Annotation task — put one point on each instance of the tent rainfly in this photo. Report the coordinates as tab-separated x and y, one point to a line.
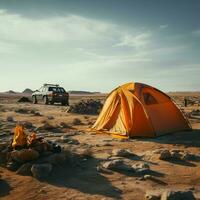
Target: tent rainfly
137	109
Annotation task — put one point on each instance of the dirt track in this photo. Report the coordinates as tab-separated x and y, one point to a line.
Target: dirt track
84	181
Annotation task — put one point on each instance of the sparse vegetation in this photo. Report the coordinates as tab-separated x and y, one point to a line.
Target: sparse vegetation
90	107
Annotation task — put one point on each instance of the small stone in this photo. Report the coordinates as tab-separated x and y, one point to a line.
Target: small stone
121	152
37	114
76	121
24	155
25	170
165	155
176	155
117	165
13	165
157	151
190	157
50	117
141	166
73	141
10	119
152	196
147	176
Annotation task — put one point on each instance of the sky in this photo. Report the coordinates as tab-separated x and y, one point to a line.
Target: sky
97	45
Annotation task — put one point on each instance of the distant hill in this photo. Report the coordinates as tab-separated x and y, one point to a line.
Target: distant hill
11	92
28	91
82	92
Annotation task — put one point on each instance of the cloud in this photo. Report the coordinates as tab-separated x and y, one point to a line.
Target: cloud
196	33
136	41
75	47
163	26
14	27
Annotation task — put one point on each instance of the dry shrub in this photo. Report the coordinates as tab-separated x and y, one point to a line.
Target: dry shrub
64	125
76	121
22	110
91	107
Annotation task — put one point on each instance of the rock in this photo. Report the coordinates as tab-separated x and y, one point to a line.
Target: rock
117	164
165	155
76	121
64	125
54	159
190	157
64	139
24	155
177	195
41	171
32	111
176	155
10	119
50	117
107	144
25	170
121	152
147	176
27	125
48	127
37	114
141	168
13	165
157	151
73	141
152	196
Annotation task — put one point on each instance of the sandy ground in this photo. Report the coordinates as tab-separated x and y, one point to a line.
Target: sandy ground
84	181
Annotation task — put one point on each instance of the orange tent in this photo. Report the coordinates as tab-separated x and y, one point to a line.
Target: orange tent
136	109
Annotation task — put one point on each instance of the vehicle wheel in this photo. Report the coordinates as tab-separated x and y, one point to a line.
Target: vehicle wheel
34	99
64	103
51	102
46	101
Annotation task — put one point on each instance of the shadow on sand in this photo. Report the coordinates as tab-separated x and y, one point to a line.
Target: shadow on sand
186	138
4	188
182	162
83	176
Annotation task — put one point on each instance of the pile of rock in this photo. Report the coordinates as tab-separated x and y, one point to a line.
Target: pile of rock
176	154
24	100
90	106
30	162
120	161
49	127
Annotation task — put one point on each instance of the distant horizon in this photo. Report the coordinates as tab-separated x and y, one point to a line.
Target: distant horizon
98	91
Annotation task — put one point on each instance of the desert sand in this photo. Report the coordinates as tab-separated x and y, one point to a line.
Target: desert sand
84	180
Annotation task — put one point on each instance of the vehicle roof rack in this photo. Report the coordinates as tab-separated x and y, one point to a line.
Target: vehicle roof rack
48	84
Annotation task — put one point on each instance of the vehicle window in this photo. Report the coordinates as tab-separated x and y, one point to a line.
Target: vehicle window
149	99
43	89
56	89
62	90
52	89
